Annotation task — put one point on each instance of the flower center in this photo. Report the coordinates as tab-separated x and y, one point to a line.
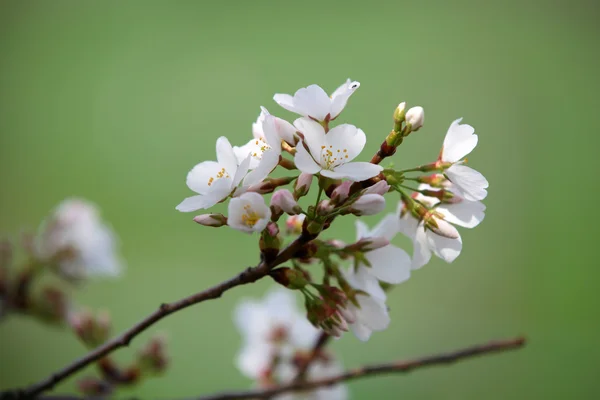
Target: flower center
260	146
250	217
222	173
332	157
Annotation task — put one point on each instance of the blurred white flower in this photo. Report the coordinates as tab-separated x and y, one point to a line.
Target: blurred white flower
313	101
319	369
331	154
77	242
389	263
459	211
460	140
248	213
270	327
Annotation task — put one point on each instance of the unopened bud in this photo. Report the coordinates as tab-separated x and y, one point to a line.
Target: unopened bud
368	204
302	185
270	241
293	224
324	207
290	278
52	305
153	357
399	114
284	200
368	244
341	192
414	118
214	220
441	227
381	188
270	184
435	180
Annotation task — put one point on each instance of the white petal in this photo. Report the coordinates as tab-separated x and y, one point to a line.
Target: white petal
443	247
407	224
361	331
373	312
254	359
348	139
198	178
354	171
242	152
270	131
465	213
387	228
362	230
268	162
314	136
304	162
241	171
390	264
459	141
421	248
312	101
286	101
286	131
340	97
471	183
364	280
226	156
199	202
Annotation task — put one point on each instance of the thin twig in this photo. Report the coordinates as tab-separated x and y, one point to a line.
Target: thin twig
379	369
250	275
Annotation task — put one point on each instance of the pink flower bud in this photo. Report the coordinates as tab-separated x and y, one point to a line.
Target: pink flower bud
340	193
324	207
368	204
302	185
380	187
284	200
214	220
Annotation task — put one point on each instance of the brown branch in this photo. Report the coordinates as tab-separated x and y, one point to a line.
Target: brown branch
317	347
249	275
379	369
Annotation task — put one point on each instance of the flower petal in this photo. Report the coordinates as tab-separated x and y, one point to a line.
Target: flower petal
390	264
198	178
471	183
387	228
314	136
465	213
348	139
445	248
196	203
373	312
361	331
304	162
268	162
242	171
354	171
421	248
226	156
312	101
340	97
362	230
286	101
460	140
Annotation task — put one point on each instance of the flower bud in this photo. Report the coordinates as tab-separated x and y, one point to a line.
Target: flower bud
270	184
270	241
294	223
284	200
290	278
91	330
400	112
302	185
341	192
368	204
367	244
435	180
215	220
381	188
52	305
441	227
94	387
153	357
324	207
414	118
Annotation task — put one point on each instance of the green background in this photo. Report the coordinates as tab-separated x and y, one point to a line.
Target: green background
116	101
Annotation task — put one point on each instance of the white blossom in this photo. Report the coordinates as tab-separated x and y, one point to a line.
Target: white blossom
268	327
313	101
460	211
415	117
76	240
319	369
331	154
460	140
248	213
389	263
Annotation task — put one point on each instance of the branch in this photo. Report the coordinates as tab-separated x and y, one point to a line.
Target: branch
379	369
249	275
317	347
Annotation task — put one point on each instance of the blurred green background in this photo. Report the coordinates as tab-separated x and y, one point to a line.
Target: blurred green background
115	101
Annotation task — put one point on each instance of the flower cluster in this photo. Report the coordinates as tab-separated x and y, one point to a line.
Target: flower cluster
351	295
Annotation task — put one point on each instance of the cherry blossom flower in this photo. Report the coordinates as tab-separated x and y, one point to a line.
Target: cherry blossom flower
371	314
248	213
269	327
426	242
331	154
75	240
460	140
313	101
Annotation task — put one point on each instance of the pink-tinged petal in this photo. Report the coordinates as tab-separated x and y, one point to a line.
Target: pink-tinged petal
346	142
226	156
198	178
312	101
387	228
314	136
467	214
389	264
354	171
459	141
304	162
241	171
340	97
421	248
470	183
443	247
